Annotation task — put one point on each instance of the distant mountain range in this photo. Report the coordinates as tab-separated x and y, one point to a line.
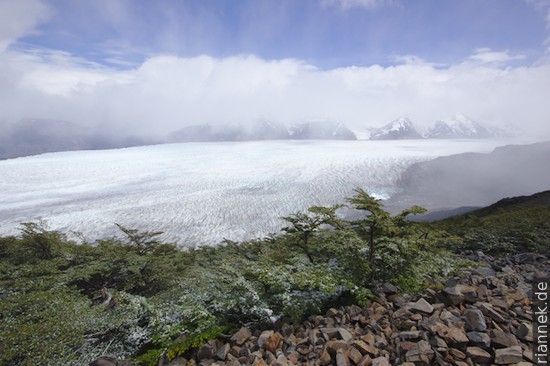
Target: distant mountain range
263	130
37	136
457	127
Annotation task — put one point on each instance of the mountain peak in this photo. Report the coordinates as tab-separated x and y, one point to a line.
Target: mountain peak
399	129
462	126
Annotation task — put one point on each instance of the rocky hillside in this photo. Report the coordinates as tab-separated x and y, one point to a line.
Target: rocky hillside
481	317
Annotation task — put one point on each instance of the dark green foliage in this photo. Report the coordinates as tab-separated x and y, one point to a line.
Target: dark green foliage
392	240
500	230
143	242
138	297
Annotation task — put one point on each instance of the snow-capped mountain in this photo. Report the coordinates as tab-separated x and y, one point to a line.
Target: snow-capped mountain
457	127
460	126
399	129
321	130
260	130
263	130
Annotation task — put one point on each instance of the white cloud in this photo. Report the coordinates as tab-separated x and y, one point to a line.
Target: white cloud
486	55
19	18
166	92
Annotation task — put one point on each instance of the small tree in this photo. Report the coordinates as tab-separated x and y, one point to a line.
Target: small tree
305	224
38	241
378	222
144	242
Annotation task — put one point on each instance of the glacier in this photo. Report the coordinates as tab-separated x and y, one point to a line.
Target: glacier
201	193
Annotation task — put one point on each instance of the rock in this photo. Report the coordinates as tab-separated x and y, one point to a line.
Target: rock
479	339
469	293
104	361
455	336
342	358
259	362
404	347
222	352
329	333
485	272
365	361
402	313
453	296
389	289
380	361
365	348
505	356
207	351
411	335
482	292
420	354
346	336
269	358
489	311
325	358
461	363
331	312
270	340
499	339
241	336
446	315
457	354
355	355
525	332
474	320
281	361
333	346
478	355
440	343
423	306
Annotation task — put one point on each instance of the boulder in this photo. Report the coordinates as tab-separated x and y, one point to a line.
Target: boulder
456	336
475	320
478	355
342	358
241	336
380	361
332	347
270	340
420	354
366	348
505	356
500	339
479	339
525	332
422	306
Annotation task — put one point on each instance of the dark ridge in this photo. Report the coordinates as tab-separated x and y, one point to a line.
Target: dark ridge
509	204
476	179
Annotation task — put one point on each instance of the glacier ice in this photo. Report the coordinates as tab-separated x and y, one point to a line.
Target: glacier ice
201	193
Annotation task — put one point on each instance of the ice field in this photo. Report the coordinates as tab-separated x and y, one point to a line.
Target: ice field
200	193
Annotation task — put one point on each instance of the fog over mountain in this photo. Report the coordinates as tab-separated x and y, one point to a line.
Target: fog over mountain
476	179
103	81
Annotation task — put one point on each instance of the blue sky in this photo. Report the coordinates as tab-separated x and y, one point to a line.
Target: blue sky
155	66
324	33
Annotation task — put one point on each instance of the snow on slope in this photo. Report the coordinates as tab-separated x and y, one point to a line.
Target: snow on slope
200	193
